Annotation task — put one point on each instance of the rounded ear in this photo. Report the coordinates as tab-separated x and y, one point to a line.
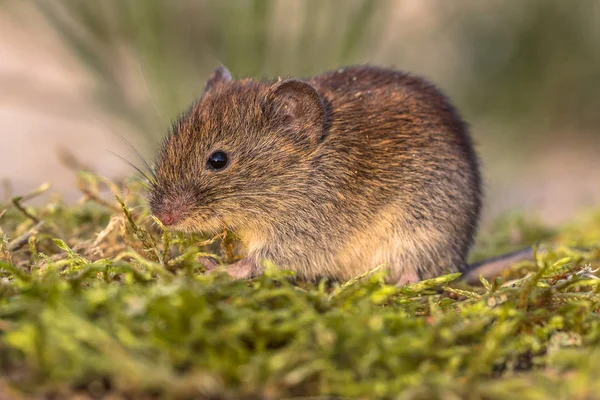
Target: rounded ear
296	104
219	76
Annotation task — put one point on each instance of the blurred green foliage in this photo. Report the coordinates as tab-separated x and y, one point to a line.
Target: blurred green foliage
532	67
532	61
173	46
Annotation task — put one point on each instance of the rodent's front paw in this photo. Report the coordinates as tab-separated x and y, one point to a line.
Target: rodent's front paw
209	262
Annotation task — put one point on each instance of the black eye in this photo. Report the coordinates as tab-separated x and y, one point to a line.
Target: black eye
217	160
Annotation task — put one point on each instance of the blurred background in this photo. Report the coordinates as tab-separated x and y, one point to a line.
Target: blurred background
525	75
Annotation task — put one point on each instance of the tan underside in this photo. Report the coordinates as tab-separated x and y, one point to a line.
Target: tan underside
389	242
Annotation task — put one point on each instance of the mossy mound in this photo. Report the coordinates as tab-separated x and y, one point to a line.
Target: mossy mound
98	302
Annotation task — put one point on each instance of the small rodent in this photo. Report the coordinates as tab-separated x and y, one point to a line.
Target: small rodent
329	176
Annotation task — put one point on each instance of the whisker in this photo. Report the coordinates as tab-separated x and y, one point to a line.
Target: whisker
137	154
132	165
142	182
131	148
150	95
146	219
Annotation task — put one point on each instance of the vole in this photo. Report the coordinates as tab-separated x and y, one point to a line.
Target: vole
329	176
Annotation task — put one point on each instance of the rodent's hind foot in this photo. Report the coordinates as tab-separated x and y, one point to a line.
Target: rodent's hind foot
240	270
408	278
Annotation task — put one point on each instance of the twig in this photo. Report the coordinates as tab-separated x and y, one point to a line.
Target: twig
114	222
37	192
94	197
22	240
70	161
213	239
19	199
17	203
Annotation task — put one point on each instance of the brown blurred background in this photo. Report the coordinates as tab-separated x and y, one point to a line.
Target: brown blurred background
525	75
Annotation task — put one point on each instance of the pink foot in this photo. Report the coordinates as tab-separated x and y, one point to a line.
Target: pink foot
408	278
241	270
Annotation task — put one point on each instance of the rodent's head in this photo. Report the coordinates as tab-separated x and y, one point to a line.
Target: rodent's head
239	155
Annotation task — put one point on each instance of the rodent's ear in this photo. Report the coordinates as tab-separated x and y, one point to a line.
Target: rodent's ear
219	76
298	104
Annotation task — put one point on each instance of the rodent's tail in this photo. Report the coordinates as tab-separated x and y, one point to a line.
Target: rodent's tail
494	266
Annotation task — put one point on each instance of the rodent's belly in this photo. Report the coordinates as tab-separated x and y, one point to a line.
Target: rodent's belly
352	261
390	242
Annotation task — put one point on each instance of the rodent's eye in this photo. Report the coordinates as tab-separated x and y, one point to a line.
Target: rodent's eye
217	160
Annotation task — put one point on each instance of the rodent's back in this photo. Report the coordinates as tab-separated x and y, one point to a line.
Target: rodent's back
403	148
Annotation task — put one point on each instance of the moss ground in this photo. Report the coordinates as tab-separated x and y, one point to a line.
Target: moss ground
97	302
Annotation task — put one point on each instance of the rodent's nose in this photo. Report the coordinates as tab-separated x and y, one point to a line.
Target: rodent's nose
166	218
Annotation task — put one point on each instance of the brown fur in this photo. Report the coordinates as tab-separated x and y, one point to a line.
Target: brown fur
328	176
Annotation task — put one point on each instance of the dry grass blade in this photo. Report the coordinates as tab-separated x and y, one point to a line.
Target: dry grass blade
16	201
22	240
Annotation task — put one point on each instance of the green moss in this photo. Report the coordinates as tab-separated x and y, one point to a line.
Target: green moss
93	304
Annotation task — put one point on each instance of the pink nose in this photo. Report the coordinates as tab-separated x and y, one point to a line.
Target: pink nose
166	218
